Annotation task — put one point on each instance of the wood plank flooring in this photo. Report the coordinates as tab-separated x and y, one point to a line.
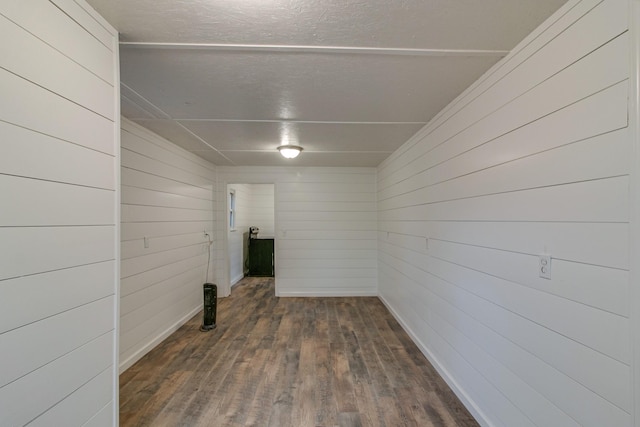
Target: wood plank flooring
284	362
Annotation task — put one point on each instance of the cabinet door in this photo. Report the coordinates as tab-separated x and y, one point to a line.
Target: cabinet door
261	257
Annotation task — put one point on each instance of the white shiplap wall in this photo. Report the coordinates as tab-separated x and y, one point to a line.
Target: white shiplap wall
167	198
532	159
325	227
59	217
262	208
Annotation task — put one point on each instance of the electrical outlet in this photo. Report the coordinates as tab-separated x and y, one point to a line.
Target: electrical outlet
146	243
544	266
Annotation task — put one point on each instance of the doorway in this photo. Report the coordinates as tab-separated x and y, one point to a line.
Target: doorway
249	205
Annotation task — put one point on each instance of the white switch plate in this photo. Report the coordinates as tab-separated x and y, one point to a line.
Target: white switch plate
544	266
146	242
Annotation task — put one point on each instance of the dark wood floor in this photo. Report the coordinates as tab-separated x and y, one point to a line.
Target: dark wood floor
289	362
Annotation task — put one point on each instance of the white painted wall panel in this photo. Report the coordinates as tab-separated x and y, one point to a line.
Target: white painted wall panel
102	417
60	219
66	204
78	408
150	277
162	184
33	59
160	199
137	231
262	208
145	263
325	227
67	33
58	291
142	163
96	26
32	395
28	348
144	142
50	115
37	250
532	159
167	200
572	124
48	158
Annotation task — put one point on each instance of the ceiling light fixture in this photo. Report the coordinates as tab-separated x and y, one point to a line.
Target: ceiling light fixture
289	151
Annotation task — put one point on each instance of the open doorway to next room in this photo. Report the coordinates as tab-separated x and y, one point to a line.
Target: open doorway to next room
251	231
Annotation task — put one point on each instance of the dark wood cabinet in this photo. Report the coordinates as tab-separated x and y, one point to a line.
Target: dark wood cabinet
261	259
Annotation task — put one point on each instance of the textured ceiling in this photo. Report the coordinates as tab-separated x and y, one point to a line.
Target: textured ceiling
350	81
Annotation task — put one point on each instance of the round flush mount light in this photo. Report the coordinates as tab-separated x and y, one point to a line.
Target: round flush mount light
289	151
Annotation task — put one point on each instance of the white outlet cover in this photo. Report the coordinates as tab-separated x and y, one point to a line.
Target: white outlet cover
544	266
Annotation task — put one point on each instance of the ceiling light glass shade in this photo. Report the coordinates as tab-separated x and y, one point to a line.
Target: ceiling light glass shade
289	151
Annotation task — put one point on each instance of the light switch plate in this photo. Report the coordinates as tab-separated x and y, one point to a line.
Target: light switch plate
544	266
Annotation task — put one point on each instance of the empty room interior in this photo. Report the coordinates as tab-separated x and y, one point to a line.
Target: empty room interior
413	213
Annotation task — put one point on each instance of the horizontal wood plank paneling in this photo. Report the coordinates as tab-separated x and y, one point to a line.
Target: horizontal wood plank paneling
149	320
42	249
349	199
50	115
262	208
139	213
66	204
144	263
145	143
531	160
58	291
59	220
81	405
595	369
34	60
102	418
331	237
144	197
94	24
572	124
167	206
65	34
166	185
136	231
48	159
136	248
603	200
32	346
142	280
68	373
142	163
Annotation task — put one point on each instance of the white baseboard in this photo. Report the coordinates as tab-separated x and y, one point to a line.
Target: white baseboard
469	403
326	292
236	279
129	361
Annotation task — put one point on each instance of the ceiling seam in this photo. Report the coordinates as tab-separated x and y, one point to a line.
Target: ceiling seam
205	142
283	120
315	49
